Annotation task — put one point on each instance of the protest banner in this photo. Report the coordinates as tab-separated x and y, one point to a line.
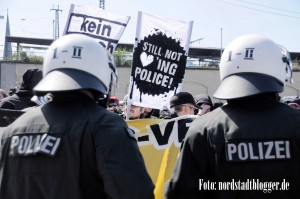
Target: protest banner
95	22
159	60
159	142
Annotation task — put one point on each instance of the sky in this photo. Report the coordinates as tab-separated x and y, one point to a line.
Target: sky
215	22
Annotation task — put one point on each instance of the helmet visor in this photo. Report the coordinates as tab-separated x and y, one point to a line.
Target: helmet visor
69	80
247	84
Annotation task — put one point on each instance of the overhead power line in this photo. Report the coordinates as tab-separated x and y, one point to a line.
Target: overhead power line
260	10
269	7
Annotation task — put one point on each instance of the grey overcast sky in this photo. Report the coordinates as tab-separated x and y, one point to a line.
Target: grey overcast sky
277	19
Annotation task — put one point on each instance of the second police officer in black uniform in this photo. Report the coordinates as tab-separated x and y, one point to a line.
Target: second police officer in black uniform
250	147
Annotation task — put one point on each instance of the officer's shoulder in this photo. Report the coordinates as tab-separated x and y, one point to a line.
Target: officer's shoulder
200	125
112	117
210	116
293	112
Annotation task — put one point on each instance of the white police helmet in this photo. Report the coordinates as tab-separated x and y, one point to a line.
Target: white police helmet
250	65
76	62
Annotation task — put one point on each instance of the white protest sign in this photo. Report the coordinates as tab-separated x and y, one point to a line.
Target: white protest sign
159	60
105	26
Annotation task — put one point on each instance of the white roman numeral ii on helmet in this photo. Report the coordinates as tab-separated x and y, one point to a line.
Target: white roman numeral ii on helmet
253	64
76	62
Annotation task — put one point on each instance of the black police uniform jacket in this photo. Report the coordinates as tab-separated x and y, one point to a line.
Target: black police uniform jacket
71	149
245	149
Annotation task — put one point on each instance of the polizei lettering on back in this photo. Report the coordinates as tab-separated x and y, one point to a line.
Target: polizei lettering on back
32	144
242	150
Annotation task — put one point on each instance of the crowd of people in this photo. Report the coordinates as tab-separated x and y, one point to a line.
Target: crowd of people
72	140
182	103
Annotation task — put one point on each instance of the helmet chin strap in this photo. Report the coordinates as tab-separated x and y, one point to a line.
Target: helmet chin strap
103	102
289	73
88	93
104	99
287	59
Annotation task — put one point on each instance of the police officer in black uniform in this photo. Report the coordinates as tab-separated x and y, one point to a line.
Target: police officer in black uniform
249	147
72	147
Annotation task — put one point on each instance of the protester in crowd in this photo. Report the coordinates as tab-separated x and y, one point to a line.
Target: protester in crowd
165	113
113	105
293	101
203	101
183	103
183	107
253	137
3	94
22	97
71	147
135	112
147	112
288	99
131	111
150	113
121	105
114	99
294	104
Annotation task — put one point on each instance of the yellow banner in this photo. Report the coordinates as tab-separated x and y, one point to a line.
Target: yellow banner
159	144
